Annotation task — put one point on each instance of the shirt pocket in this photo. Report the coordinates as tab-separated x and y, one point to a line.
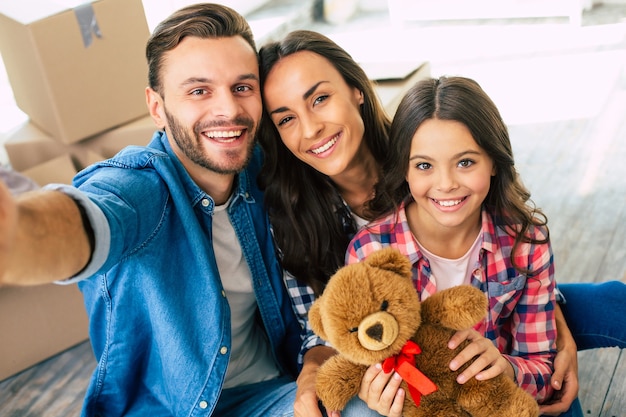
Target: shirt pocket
504	296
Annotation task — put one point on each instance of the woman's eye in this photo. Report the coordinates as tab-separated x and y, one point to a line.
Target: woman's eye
423	166
284	120
320	99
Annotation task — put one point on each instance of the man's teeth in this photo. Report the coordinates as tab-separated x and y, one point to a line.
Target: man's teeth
325	147
448	203
224	134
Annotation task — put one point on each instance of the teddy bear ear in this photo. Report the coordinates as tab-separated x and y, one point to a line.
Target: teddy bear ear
315	320
390	259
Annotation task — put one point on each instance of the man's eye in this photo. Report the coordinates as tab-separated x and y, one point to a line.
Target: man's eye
242	88
198	92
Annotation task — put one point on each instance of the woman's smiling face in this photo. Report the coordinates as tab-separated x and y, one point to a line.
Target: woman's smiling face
316	113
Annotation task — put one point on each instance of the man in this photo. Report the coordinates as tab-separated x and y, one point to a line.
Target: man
170	244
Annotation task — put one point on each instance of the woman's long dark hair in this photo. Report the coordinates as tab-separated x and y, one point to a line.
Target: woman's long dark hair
463	100
309	218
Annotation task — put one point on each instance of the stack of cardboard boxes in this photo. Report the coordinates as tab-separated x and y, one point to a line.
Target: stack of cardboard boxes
79	74
78	70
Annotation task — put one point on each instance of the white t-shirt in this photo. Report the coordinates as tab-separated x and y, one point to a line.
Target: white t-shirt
251	358
452	272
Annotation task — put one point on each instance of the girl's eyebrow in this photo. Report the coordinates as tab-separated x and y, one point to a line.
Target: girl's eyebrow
456	156
308	93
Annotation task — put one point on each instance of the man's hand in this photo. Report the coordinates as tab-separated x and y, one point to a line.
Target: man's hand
306	404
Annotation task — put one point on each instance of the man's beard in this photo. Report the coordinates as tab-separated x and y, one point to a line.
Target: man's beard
229	162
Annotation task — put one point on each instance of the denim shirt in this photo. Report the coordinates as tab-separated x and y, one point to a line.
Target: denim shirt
159	317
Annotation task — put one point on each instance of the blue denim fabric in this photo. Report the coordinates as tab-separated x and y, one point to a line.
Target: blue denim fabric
575	410
272	398
159	318
595	313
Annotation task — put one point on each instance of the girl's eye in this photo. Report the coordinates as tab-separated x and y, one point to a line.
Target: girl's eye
423	166
466	163
320	99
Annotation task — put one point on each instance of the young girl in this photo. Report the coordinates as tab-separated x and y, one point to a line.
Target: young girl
451	200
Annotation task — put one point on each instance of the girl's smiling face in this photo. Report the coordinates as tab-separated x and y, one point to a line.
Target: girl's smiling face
449	175
316	113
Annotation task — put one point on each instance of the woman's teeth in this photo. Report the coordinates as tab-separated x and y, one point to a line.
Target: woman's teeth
325	147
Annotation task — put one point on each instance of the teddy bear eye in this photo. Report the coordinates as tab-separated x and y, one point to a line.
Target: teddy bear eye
384	306
354	330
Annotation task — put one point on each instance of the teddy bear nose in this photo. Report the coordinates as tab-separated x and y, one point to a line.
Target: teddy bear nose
375	332
378	330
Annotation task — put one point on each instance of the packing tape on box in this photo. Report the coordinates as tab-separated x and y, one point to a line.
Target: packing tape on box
87	22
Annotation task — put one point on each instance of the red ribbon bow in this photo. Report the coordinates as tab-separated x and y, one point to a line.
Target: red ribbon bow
404	364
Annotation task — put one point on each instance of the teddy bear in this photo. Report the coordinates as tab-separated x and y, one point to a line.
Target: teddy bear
370	313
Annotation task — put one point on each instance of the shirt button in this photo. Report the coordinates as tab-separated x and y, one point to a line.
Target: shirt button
223	293
203	404
477	273
205	202
223	350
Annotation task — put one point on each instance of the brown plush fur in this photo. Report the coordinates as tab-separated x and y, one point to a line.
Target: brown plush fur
369	310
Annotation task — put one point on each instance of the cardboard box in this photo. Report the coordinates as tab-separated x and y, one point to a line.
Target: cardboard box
74	83
37	323
58	170
28	146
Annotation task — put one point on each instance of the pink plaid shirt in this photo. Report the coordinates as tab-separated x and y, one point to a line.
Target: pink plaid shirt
520	320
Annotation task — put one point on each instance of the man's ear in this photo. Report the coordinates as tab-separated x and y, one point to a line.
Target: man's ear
155	107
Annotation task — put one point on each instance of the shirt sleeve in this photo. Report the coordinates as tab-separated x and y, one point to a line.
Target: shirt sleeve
99	225
533	326
363	244
302	297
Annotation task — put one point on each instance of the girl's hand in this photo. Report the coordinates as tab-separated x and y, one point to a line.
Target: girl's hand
381	391
489	362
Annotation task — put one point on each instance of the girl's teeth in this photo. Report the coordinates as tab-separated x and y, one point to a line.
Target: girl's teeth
448	203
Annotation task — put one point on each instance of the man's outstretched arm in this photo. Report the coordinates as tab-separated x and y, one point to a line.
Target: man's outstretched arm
42	237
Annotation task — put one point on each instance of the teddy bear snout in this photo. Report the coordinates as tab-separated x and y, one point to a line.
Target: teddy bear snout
378	330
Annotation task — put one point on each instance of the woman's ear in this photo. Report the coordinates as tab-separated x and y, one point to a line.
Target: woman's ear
358	95
155	107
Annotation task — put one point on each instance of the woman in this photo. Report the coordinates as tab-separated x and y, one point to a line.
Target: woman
325	136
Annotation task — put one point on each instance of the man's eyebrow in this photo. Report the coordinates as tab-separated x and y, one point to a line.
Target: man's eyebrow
308	93
204	80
